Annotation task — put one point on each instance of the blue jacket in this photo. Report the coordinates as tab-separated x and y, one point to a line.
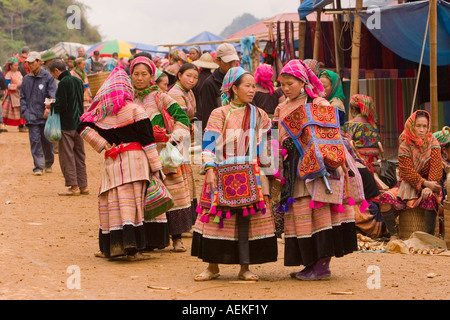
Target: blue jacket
33	92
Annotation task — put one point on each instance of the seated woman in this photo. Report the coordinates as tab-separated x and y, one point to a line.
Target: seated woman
332	87
362	129
420	171
443	137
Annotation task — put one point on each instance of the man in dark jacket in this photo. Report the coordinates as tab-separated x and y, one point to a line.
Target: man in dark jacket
226	58
69	104
37	86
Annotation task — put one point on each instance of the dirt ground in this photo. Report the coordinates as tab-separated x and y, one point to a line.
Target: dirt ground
47	246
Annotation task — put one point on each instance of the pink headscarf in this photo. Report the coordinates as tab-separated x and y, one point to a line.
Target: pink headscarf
263	76
301	71
146	61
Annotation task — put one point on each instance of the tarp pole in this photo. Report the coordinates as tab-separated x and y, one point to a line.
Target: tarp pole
337	26
433	66
317	37
354	81
301	38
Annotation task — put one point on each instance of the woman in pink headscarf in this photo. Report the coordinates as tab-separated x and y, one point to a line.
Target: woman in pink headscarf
314	231
266	97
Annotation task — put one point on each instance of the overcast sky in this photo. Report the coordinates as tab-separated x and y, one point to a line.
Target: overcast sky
174	21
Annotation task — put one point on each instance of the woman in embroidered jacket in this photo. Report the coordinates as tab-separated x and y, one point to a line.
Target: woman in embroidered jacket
314	232
160	107
420	171
123	130
11	103
240	230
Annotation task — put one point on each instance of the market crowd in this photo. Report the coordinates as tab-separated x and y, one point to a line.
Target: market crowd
327	186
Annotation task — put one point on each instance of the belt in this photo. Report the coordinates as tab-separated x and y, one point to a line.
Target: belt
114	152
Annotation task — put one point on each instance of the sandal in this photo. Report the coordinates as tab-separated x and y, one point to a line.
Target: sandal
206	276
178	246
84	191
248	276
70	192
137	257
99	254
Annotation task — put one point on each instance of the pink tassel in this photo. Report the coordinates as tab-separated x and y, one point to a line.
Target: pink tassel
219	214
213	210
312	204
228	215
261	205
245	212
203	219
284	152
283	181
206	220
199	210
364	206
277	174
351	201
334	208
319	205
341	208
252	211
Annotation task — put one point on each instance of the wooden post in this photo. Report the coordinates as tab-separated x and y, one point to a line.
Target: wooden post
301	38
355	51
433	66
317	37
338	40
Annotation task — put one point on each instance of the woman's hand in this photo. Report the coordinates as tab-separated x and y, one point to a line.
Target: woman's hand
426	193
433	185
211	179
109	147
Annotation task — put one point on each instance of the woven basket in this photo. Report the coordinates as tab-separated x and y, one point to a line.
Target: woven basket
446	228
411	220
96	80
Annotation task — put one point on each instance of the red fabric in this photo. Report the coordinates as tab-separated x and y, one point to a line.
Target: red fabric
114	152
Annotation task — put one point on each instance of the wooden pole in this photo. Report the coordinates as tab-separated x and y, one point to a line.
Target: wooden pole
336	33
433	66
355	51
317	37
301	38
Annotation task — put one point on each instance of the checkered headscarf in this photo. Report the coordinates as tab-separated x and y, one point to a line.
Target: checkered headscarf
230	78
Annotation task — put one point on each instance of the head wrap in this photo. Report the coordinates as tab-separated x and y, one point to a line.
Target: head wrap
443	136
143	60
196	48
114	93
336	84
409	136
14	60
230	78
314	65
77	61
366	106
298	69
178	55
263	76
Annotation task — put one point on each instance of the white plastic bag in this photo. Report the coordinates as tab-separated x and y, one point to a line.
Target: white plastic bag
171	157
52	129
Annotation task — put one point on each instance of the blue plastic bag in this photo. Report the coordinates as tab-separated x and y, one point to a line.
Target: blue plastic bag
52	129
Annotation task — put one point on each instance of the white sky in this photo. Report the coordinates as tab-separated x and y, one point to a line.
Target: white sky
174	21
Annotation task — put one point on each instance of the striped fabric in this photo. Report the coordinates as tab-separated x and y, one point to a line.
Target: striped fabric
153	157
96	141
179	189
185	99
127	115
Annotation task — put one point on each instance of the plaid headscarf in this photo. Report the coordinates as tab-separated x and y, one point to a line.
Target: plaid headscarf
146	61
263	76
230	78
314	65
298	69
408	135
443	136
366	106
336	84
115	93
179	56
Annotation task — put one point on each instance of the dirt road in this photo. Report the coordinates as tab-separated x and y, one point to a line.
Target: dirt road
47	246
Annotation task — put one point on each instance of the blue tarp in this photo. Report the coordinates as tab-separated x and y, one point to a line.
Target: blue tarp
205	36
309	6
402	30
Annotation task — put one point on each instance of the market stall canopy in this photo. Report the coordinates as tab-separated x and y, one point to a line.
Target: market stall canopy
68	48
148	48
402	30
310	6
107	48
205	36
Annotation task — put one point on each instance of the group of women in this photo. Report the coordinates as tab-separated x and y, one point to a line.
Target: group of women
132	120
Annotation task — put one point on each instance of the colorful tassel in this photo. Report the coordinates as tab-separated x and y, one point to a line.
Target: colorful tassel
216	219
252	211
199	209
341	208
280	208
213	210
277	174
245	212
219	214
351	201
286	207
263	211
261	205
228	215
312	204
319	205
334	208
206	219
284	152
290	200
364	206
221	224
283	181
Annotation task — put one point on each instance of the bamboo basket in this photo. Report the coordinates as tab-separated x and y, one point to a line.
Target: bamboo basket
96	80
447	223
411	220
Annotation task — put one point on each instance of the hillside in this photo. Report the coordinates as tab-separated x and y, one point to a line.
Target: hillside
239	23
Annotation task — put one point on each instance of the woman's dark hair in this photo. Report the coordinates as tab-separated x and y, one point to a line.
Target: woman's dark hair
163	75
423	114
185	67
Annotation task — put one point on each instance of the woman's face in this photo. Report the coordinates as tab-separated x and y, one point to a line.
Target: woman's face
291	86
141	77
421	127
14	66
246	90
194	55
188	79
326	85
164	84
82	65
